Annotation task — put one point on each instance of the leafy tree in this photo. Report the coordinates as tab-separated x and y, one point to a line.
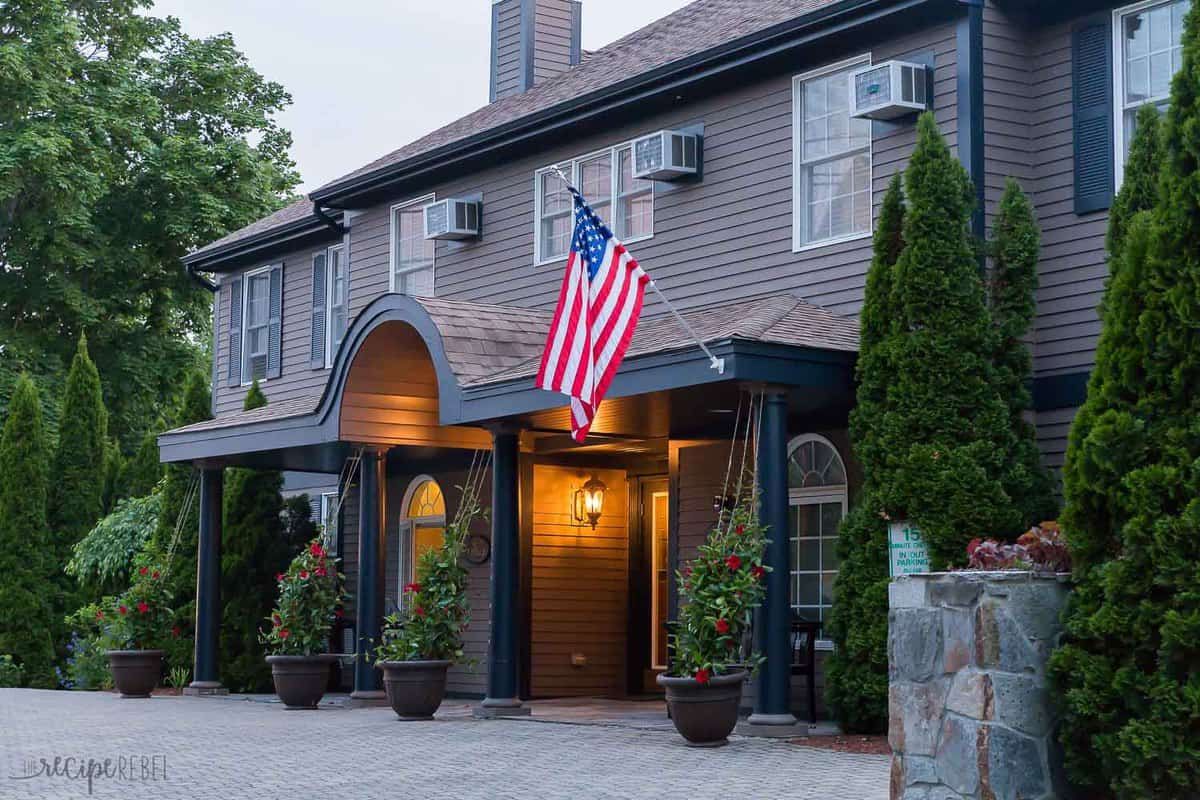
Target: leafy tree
1128	674
103	560
25	539
124	144
256	546
856	679
1012	294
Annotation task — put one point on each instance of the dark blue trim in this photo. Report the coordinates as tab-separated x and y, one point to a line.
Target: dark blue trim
368	596
1060	391
495	52
208	582
576	32
969	45
503	657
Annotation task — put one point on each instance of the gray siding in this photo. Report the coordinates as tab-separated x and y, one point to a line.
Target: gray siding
506	49
551	39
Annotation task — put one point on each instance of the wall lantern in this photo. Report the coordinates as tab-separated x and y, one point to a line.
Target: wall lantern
588	503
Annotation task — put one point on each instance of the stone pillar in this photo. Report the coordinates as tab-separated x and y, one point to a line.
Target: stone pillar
503	694
969	710
772	704
206	679
368	597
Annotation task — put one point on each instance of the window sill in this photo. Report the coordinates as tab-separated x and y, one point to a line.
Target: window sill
805	248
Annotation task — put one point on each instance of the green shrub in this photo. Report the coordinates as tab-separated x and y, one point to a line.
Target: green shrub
309	596
87	664
103	560
10	673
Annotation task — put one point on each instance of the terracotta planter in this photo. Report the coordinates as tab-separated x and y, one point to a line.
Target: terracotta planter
135	672
704	713
415	688
300	681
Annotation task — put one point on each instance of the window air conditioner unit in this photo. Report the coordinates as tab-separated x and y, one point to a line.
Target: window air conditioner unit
453	219
666	156
889	90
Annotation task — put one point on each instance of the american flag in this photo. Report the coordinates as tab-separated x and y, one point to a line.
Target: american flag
598	309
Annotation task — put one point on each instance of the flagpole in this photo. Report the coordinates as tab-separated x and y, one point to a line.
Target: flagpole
715	363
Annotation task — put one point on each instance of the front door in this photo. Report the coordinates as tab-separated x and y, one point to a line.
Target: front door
651	580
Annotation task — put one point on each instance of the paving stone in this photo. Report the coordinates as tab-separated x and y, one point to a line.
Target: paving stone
1015	770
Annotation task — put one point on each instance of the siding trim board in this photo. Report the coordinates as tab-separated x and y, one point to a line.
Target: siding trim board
969	42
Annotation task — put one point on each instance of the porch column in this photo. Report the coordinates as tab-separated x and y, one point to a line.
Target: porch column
368	596
772	705
208	586
503	694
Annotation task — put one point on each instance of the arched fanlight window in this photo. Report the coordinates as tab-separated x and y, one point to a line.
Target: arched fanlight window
818	496
422	526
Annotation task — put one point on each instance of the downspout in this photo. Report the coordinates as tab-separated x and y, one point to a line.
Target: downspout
322	215
200	279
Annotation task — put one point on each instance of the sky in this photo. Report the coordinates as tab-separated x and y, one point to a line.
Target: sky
368	76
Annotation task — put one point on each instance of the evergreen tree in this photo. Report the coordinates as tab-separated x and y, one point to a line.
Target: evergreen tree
1012	289
76	500
1128	673
945	434
856	678
143	470
25	543
256	545
114	472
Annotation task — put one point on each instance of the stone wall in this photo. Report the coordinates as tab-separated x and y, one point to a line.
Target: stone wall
970	715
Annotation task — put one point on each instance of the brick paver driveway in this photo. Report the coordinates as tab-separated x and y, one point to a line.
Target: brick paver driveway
228	748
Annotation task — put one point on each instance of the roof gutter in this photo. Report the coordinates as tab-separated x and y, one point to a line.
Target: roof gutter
329	221
200	279
765	44
267	240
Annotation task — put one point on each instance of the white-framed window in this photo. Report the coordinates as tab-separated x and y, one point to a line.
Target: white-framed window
329	520
336	301
818	498
256	324
412	255
422	526
605	178
832	159
1147	52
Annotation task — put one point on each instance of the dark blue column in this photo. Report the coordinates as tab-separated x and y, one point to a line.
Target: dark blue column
772	706
208	585
503	694
368	596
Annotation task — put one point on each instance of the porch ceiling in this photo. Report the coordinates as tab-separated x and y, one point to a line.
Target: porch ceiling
482	359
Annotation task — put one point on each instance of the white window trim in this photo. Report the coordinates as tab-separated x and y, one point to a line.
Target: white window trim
393	233
571	167
815	496
1118	98
327	504
408	541
329	276
246	276
798	245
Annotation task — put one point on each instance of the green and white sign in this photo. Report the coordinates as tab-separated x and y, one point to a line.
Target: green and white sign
907	553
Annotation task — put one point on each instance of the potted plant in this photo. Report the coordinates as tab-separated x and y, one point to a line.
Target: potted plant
136	623
719	591
309	596
424	639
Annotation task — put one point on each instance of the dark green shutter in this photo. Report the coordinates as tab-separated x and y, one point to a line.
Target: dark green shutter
1092	80
275	326
234	377
317	332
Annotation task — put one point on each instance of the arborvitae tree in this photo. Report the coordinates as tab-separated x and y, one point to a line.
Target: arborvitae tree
1128	674
856	680
114	472
76	499
25	544
1095	464
1012	286
143	470
945	434
256	546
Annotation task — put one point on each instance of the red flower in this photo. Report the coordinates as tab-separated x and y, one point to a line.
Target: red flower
155	575
122	610
317	550
702	676
142	607
175	631
320	572
412	587
275	618
279	577
733	562
143	570
757	572
303	574
420	612
740	529
284	633
99	615
722	626
339	613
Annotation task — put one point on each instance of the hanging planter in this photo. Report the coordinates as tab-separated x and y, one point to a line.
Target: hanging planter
423	641
136	622
309	596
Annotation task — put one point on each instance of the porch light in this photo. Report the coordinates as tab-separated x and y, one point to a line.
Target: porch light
588	503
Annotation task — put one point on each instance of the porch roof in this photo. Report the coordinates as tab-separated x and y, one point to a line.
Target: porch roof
485	356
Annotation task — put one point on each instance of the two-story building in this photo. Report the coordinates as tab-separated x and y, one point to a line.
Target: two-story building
390	358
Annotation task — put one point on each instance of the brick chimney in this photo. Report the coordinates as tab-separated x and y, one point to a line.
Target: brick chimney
532	40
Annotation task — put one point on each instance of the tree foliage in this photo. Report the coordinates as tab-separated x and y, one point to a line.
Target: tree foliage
25	542
124	144
1128	673
103	560
1012	290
